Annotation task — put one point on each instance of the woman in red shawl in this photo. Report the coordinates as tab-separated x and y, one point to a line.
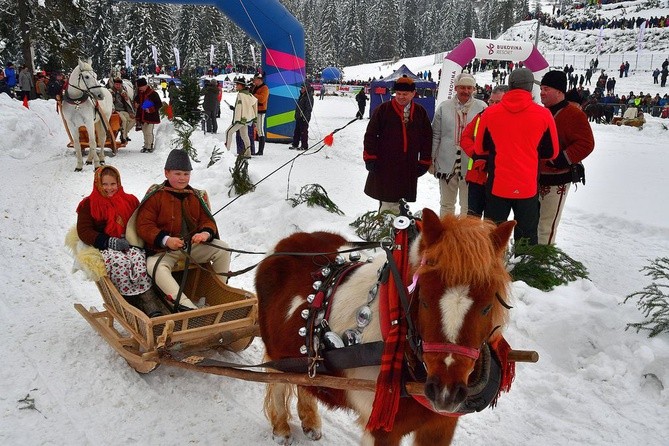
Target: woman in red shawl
101	222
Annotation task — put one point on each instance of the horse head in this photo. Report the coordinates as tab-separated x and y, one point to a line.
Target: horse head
462	282
84	79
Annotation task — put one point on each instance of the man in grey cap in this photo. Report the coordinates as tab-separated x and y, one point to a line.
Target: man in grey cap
449	160
515	135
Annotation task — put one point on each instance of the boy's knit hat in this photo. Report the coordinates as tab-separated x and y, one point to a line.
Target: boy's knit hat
178	160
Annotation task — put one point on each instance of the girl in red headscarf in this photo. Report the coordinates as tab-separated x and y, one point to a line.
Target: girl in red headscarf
102	218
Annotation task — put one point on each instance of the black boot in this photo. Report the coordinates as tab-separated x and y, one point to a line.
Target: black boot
261	145
149	303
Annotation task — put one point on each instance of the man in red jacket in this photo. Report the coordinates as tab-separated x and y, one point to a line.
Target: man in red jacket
576	142
516	133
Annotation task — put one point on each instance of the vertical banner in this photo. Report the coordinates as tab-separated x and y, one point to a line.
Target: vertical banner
211	55
232	60
564	40
176	58
154	52
128	57
600	39
642	31
253	53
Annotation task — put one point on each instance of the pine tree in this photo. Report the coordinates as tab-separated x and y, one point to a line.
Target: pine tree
329	36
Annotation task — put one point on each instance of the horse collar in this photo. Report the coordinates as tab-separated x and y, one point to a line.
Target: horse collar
76	101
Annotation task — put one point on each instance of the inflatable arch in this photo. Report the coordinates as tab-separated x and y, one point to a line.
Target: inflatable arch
281	37
471	48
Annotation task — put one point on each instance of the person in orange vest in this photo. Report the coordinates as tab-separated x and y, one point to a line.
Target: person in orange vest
261	92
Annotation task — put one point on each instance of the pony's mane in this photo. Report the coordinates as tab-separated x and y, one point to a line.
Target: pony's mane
465	255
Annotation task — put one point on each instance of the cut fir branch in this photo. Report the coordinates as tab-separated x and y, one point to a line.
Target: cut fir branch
653	300
182	140
374	226
544	266
241	183
215	156
315	195
29	403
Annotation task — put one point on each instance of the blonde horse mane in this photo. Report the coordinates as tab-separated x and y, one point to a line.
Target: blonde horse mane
466	255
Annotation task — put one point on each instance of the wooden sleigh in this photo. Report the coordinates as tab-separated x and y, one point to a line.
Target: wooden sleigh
227	321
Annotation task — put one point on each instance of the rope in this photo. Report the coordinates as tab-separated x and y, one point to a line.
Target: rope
301	153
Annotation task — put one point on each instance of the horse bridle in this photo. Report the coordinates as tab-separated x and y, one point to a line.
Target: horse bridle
88	89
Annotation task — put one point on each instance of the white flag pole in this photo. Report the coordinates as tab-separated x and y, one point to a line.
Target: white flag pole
176	57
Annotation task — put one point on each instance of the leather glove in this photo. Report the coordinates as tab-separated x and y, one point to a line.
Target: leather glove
370	166
118	244
422	169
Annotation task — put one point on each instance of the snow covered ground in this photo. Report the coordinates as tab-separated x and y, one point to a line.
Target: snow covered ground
595	383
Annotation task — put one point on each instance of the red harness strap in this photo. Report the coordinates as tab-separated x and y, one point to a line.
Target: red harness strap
445	347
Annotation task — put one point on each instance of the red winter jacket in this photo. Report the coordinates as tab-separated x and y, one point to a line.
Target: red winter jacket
517	133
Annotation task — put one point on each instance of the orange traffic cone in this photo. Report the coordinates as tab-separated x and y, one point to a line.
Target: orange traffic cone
25	102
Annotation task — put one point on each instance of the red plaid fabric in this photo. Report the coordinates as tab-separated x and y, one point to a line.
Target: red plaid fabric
391	314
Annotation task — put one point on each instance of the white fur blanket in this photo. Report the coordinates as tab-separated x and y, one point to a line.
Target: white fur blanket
86	258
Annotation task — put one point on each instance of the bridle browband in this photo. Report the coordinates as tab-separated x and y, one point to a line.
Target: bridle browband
447	347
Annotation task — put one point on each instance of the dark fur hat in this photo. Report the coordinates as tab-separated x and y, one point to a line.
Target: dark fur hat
404	83
141	82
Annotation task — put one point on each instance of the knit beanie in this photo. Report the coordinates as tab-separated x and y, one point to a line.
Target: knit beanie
556	79
141	82
178	160
404	83
521	79
465	80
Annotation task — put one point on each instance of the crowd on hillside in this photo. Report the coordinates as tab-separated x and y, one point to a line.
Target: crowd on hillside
589	23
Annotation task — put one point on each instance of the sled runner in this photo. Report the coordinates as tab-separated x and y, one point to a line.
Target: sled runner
227	321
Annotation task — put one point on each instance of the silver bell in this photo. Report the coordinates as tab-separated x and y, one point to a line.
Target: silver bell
305	313
319	317
302	331
332	340
325	271
310	298
351	337
303	349
354	256
339	260
317	285
363	316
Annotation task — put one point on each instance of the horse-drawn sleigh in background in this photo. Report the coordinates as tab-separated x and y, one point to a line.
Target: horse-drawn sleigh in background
425	320
86	109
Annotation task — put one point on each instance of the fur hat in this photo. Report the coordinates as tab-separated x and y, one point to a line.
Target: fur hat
258	76
521	79
555	79
465	80
141	82
178	160
404	83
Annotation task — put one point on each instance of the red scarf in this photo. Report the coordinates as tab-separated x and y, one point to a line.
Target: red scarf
400	111
115	210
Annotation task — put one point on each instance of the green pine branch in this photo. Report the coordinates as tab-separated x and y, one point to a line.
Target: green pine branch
653	300
241	183
315	195
374	226
544	266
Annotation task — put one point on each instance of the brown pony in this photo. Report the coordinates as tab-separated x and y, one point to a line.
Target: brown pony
461	280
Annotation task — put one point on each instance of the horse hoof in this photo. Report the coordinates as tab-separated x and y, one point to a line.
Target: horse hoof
88	163
282	440
78	169
312	434
102	163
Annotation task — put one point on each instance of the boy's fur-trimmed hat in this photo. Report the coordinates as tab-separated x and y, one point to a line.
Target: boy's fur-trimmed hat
178	160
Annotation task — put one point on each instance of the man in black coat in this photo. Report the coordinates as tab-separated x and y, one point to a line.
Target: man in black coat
361	99
303	109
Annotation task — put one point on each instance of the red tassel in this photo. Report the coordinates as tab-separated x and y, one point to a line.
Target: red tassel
25	102
328	140
502	349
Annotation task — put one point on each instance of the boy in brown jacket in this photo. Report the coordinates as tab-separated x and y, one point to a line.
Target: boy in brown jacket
173	215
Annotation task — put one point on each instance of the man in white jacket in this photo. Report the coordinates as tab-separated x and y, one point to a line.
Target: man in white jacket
449	160
245	112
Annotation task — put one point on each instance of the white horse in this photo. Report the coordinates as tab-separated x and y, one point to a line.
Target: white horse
87	103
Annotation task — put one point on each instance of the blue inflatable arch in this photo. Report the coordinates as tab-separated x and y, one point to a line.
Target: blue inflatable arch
281	37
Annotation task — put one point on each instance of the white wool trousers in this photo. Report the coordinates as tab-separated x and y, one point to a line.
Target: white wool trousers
551	203
230	133
127	123
200	253
449	191
147	131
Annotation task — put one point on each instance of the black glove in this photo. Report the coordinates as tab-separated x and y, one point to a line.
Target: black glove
118	244
422	169
370	166
232	107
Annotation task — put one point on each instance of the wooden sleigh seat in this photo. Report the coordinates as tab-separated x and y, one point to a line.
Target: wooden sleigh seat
112	142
